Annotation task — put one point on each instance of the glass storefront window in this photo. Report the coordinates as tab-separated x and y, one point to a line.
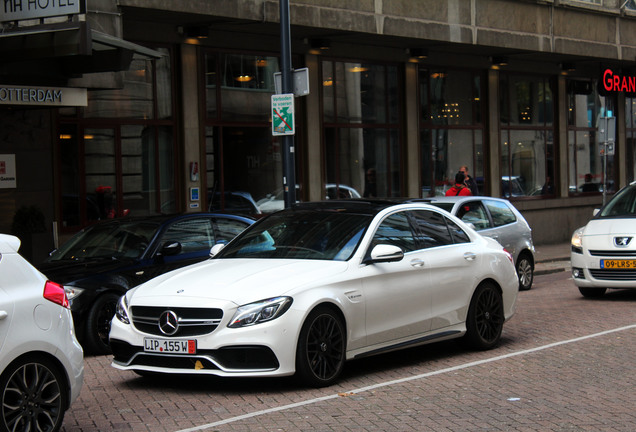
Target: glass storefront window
453	98
136	99
451	133
251	167
246	83
526	101
361	113
589	170
527	136
117	155
525	154
630	134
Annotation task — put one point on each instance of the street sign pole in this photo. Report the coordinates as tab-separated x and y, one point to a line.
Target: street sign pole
289	169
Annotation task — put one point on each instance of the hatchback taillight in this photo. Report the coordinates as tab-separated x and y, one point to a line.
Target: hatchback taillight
55	292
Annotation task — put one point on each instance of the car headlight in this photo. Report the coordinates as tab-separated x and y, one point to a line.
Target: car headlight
260	311
577	240
121	312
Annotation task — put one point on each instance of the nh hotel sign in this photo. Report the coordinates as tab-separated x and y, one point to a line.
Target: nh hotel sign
16	10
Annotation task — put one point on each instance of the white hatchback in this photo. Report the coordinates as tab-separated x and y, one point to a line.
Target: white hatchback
307	288
604	251
41	362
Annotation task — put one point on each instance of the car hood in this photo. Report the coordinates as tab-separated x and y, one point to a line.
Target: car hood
600	233
66	272
239	281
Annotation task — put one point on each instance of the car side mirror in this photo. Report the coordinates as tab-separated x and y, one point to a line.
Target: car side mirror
384	253
170	249
595	212
216	249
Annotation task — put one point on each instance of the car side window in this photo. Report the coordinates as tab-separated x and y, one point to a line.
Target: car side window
395	230
226	229
501	214
475	213
194	234
459	235
432	229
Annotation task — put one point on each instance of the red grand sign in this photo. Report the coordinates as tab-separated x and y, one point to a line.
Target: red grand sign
613	82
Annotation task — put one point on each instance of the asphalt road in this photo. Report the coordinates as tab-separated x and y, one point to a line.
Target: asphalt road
565	363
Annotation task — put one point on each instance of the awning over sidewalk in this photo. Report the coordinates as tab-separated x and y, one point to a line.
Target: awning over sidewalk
63	51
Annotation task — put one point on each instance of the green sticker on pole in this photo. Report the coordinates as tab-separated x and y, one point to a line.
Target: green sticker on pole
283	114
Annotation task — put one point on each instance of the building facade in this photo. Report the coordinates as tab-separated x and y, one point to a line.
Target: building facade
535	97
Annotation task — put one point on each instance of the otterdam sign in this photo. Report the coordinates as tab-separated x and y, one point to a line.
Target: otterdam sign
42	96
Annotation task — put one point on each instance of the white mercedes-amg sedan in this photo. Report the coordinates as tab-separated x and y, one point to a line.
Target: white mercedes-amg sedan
307	288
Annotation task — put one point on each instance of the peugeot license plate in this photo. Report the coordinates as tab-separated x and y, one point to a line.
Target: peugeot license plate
618	264
170	346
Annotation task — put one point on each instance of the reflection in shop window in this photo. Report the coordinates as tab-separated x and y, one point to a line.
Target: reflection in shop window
527	136
589	170
361	114
244	83
451	133
126	164
630	134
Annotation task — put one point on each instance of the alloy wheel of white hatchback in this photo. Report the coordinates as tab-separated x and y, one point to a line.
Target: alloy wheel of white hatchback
33	396
320	355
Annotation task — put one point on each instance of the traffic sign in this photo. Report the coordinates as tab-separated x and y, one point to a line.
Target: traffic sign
283	114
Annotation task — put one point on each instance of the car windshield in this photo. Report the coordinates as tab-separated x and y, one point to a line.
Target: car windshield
623	204
301	234
121	240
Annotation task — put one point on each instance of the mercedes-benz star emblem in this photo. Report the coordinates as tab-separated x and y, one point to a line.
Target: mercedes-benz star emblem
622	241
168	323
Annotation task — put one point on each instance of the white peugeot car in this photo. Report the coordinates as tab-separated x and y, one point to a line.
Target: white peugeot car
604	251
307	288
41	362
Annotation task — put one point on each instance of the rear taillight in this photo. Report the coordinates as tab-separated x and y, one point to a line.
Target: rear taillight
55	292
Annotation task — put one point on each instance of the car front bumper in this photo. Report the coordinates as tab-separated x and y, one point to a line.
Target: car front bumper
267	349
587	273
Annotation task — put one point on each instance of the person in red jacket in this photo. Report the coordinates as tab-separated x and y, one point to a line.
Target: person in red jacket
459	188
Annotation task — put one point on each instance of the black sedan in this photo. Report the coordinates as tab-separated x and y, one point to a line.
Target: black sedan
103	261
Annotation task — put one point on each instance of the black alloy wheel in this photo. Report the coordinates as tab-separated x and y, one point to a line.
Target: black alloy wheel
98	323
525	272
485	320
320	355
34	396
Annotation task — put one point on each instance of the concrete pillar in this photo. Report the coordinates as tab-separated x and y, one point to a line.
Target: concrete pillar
190	121
494	137
561	144
314	180
412	150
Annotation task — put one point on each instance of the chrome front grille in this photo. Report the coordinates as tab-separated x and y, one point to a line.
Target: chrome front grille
613	253
613	275
191	321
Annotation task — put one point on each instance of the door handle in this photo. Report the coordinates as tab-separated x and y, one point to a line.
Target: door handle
470	256
416	262
3	315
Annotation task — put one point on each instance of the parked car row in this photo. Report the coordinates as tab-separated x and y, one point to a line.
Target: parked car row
301	291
